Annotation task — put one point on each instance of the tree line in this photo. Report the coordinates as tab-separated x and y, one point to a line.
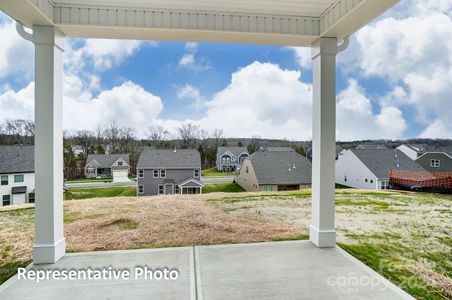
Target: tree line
111	138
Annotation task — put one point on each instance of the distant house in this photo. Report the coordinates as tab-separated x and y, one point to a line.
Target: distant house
276	149
77	150
169	172
339	149
230	159
108	165
275	171
371	146
369	169
17	175
437	160
413	151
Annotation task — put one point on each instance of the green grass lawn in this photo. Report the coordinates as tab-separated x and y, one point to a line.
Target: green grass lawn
404	236
222	187
114	191
84	180
212	172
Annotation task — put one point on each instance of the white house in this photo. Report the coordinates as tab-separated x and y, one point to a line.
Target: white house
369	169
17	175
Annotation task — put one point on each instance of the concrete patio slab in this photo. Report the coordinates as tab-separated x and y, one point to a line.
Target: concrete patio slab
141	288
274	270
287	270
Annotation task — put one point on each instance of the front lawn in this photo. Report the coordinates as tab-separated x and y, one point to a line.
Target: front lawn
85	180
100	192
227	187
213	172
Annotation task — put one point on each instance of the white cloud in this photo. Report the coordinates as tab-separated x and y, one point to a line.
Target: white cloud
18	105
355	119
413	53
189	92
262	99
303	56
16	54
438	129
128	104
190	61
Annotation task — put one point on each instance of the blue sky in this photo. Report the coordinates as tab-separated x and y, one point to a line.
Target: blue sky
394	81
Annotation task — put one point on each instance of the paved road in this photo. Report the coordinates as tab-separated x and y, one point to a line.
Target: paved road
205	180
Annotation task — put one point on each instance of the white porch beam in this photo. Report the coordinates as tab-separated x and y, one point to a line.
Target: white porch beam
322	232
49	238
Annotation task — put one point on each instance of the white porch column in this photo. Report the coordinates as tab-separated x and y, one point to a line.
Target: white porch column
322	232
50	244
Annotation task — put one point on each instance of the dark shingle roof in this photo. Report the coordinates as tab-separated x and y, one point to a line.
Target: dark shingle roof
234	150
106	160
381	161
277	167
371	147
279	149
447	150
17	159
169	159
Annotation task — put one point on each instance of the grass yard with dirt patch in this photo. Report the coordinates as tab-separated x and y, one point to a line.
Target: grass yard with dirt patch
213	172
100	192
403	236
227	187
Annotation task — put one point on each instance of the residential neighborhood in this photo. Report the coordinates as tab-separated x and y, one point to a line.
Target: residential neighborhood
225	150
369	168
17	175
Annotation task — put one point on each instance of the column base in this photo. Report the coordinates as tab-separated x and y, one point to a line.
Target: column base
49	253
322	238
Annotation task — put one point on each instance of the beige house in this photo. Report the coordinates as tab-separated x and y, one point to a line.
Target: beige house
275	171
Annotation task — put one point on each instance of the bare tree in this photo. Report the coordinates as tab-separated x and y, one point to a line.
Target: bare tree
217	136
157	134
112	134
204	144
188	133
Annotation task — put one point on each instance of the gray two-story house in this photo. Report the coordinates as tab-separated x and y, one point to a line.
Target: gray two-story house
437	160
167	172
230	159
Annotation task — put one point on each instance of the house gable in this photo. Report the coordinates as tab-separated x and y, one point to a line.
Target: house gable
351	171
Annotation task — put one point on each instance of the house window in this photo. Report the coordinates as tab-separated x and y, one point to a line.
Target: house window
18	178
91	171
140	189
156	173
345	178
31	198
435	163
162	173
176	190
4	179
6	200
384	184
140	173
268	188
371	181
196	173
365	180
247	169
161	189
119	163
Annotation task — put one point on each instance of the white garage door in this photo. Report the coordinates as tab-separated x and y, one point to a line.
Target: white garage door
18	199
120	176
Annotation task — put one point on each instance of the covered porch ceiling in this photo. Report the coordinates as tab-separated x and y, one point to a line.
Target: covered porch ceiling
278	22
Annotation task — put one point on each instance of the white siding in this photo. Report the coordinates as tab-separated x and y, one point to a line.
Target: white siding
29	182
349	166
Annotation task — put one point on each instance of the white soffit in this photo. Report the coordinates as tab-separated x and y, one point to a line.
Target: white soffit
280	22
